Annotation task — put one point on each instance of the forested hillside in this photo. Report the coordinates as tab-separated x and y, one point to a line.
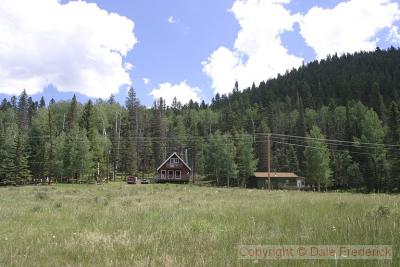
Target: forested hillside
336	122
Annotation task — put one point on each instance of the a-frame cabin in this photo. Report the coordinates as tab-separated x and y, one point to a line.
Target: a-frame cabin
173	169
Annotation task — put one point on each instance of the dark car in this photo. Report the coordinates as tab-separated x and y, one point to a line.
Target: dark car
144	181
131	180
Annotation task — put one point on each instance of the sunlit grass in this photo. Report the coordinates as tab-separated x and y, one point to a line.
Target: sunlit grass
182	225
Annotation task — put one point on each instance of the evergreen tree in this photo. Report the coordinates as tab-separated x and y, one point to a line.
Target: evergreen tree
293	163
159	131
7	153
71	118
20	159
262	146
132	131
23	106
38	133
301	131
42	103
13	102
88	122
393	137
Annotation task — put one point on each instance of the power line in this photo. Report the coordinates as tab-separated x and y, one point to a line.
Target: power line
336	141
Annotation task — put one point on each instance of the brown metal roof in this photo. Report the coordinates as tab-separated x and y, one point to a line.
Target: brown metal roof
276	175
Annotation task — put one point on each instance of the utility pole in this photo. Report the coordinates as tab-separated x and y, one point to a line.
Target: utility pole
269	162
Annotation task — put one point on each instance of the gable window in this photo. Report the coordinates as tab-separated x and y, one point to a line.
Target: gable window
173	161
170	174
178	174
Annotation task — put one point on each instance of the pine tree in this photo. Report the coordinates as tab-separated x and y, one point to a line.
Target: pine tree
132	131
293	163
7	164
23	106
37	139
32	108
88	122
159	131
300	131
13	102
7	154
20	159
111	100
393	137
262	146
71	119
42	103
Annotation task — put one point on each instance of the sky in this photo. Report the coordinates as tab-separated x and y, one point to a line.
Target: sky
188	49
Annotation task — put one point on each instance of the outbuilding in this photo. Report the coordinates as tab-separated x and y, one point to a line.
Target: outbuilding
279	180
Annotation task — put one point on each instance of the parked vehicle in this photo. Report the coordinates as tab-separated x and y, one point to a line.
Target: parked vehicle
144	181
131	180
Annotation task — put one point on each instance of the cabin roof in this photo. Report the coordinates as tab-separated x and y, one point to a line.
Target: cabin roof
174	154
276	175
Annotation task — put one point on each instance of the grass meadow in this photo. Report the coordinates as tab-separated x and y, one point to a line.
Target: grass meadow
117	224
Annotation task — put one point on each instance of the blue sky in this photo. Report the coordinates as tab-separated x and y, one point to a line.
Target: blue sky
183	48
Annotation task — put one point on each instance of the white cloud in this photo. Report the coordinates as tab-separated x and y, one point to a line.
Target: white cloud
128	66
394	35
182	91
349	27
258	52
75	47
171	19
146	81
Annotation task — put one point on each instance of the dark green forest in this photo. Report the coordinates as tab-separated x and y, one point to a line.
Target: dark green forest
335	122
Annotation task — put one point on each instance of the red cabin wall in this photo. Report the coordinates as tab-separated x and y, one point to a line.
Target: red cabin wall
185	172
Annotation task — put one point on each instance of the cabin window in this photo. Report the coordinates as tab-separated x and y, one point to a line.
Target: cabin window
163	174
174	161
170	174
178	174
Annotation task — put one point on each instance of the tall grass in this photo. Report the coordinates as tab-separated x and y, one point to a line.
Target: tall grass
182	225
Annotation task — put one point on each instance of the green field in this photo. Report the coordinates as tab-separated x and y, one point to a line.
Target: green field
182	225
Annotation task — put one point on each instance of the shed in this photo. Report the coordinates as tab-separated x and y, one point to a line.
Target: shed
279	180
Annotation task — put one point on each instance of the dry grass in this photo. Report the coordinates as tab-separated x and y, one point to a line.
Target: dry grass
182	225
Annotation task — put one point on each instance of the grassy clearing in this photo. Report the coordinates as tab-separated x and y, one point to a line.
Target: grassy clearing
182	225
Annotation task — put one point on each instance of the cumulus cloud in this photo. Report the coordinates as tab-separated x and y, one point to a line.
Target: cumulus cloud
75	47
394	35
258	52
146	81
349	27
182	91
171	19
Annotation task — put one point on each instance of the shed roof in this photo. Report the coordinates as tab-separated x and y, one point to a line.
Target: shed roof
276	175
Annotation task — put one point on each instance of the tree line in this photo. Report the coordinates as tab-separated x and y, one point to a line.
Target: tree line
335	122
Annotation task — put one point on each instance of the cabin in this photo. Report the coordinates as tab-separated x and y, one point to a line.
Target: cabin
173	170
279	180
